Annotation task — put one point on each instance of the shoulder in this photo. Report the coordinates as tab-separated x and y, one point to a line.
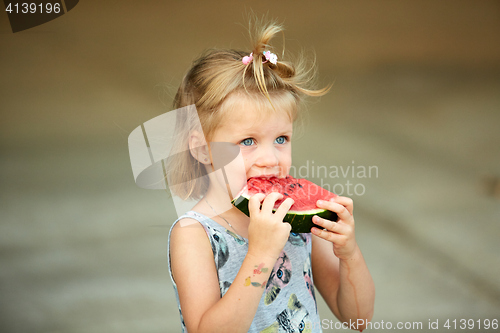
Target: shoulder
194	228
189	247
188	231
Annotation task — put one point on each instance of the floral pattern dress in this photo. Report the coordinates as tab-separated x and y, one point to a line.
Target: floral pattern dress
288	303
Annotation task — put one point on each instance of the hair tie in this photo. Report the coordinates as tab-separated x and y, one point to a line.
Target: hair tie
247	59
271	57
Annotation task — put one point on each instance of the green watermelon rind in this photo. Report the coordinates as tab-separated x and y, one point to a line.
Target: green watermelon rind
301	221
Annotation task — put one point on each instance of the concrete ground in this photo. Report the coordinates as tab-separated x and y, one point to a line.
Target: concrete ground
83	249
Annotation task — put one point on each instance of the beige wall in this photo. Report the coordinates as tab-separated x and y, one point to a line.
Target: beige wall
416	94
95	70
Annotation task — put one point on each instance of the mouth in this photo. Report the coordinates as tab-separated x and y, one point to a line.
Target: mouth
265	176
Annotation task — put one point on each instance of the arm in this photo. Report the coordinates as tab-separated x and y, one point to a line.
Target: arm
195	273
339	270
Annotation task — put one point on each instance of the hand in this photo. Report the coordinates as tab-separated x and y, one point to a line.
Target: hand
340	233
267	234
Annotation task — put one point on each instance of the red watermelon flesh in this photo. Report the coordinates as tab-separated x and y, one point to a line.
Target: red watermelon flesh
304	193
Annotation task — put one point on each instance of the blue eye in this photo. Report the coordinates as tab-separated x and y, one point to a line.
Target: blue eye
280	140
247	142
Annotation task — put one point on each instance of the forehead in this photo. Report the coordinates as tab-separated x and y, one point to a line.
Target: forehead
250	110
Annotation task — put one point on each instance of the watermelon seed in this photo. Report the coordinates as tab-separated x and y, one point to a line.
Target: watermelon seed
286	194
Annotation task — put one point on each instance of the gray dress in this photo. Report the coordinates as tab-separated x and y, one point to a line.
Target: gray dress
288	303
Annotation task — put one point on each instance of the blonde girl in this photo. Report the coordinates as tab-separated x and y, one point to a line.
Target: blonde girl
233	273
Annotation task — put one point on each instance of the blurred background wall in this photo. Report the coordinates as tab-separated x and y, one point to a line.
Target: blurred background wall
416	94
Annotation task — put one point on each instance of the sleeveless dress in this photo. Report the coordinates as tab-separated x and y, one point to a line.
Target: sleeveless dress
288	303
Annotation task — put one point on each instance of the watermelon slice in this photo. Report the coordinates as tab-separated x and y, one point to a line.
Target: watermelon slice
303	192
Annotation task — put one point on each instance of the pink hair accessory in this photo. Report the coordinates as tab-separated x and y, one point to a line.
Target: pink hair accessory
271	57
247	59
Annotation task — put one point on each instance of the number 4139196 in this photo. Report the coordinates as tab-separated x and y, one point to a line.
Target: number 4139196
471	324
33	8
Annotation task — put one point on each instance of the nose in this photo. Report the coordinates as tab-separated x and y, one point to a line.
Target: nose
268	157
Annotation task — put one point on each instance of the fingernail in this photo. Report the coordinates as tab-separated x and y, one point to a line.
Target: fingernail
320	202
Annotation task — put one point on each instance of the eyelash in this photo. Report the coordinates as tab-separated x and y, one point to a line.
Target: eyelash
253	140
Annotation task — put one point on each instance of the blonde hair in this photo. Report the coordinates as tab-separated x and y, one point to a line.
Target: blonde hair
218	74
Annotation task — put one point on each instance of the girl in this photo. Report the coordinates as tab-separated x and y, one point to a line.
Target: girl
233	273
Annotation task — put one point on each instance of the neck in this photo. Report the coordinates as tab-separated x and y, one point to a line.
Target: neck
219	205
220	202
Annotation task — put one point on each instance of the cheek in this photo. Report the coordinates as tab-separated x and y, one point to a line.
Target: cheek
236	173
286	161
247	159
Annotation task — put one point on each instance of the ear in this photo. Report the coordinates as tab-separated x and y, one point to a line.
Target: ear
198	147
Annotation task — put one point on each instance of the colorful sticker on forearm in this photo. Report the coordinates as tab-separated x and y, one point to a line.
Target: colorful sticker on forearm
258	270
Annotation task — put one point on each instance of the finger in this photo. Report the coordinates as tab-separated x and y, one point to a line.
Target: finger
270	200
328	235
284	208
287	226
346	202
335	207
326	224
335	227
254	202
324	234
